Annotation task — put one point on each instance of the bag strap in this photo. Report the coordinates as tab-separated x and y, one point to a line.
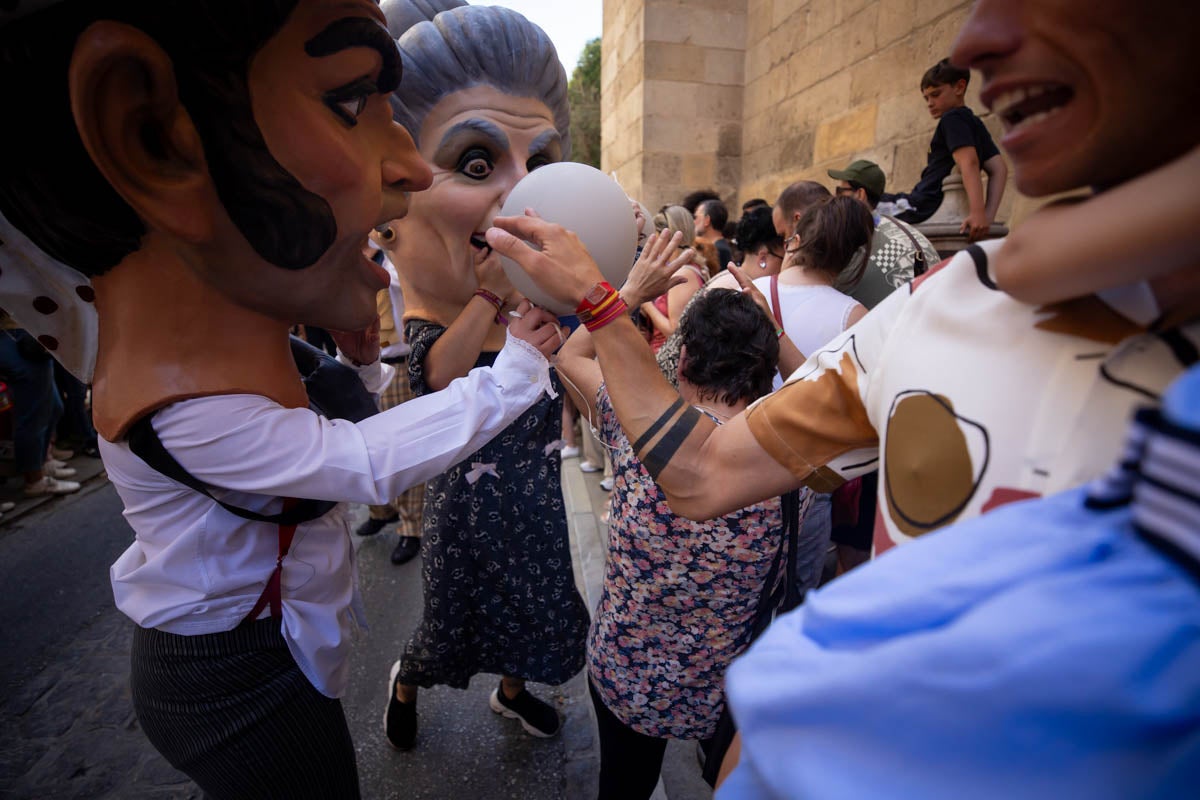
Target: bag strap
919	264
793	511
791	507
785	596
144	442
776	309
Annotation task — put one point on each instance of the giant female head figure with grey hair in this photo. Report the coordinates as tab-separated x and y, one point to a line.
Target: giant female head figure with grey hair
485	97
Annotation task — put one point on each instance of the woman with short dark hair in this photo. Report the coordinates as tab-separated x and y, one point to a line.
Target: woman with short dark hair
679	596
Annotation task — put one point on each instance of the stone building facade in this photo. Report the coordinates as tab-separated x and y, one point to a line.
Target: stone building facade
746	96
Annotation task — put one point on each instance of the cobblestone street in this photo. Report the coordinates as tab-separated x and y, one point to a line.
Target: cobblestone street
67	727
97	751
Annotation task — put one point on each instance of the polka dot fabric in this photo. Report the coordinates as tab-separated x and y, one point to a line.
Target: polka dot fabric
55	303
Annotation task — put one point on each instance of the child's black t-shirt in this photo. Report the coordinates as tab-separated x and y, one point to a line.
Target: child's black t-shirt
958	127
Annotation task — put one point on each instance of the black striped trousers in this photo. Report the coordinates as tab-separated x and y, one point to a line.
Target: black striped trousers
233	712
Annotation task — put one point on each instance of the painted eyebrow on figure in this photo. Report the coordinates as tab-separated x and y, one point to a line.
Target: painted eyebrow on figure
542	143
547	143
447	150
350	32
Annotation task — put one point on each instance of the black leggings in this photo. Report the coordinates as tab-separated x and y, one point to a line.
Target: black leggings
630	762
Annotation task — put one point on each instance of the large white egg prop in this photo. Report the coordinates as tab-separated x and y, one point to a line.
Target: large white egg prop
586	201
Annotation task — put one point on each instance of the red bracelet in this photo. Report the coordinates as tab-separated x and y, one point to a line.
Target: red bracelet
601	308
611	311
600	295
491	298
495	300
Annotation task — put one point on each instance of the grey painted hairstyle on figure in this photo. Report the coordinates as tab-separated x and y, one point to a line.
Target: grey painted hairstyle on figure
403	14
468	46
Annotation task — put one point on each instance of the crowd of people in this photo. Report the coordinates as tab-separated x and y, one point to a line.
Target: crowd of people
47	421
863	538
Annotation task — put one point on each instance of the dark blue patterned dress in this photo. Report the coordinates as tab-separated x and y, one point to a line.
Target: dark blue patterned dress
499	590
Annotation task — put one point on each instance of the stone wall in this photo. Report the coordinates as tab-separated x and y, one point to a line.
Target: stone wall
746	96
671	95
622	92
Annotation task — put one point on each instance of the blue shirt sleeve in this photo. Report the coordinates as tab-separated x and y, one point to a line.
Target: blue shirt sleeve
1042	651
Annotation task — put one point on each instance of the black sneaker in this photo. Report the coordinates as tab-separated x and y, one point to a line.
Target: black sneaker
373	526
400	719
537	718
406	549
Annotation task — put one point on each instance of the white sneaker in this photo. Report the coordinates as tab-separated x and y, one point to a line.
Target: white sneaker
49	485
570	452
607	484
54	462
58	472
61	455
587	466
7	506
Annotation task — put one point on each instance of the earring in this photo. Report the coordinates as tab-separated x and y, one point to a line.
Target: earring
387	234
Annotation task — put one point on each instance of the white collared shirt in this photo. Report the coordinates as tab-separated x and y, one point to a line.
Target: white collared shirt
195	568
399	348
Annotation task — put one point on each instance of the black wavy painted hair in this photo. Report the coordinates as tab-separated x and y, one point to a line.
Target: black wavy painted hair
732	352
51	190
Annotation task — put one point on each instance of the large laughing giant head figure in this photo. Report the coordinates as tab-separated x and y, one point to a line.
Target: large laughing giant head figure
183	181
485	97
1089	92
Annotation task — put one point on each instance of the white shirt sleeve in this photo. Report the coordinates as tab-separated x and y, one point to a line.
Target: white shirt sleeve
246	443
375	376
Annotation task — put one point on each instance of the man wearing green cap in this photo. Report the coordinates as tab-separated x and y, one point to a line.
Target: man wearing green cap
898	253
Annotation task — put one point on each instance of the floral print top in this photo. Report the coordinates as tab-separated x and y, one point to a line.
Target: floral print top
678	602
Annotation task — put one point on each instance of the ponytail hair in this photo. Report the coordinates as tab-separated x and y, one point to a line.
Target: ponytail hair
832	232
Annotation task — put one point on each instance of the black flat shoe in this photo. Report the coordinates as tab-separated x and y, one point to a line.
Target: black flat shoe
399	719
372	526
406	549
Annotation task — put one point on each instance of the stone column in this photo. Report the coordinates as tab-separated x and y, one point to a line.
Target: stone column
671	97
942	229
622	92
